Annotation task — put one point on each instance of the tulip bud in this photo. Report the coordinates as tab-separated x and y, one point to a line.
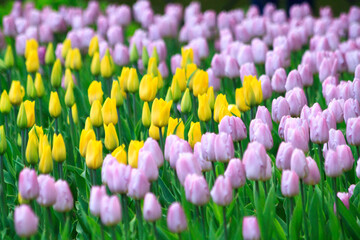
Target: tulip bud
28	184
16	93
93	46
204	110
298	163
175	90
39	86
176	219
56	74
296	99
9	57
93	155
186	104
95	114
30	88
168	96
5	104
96	194
30	113
109	112
219	102
264	114
21	117
138	184
54	105
196	189
250	228
333	165
319	130
133	152
152	67
50	54
289	183
176	126
25	220
110	210
347	159
32	62
134	55
252	91
207	146
46	162
152	146
32	152
105	67
145	56
147	164
95	64
151	208
64	199
47	190
160	112
313	176
132	81
111	138
146	115
200	83
352	129
116	93
148	88
69	95
194	134
58	149
235	172
3	143
95	92
222	193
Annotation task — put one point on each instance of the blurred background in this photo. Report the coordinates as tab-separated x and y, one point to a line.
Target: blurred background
337	6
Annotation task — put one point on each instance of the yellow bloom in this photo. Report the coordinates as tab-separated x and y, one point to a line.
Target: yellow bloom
95	92
252	91
224	111
160	112
37	132
31	45
155	55
3	143
49	54
132	81
68	77
9	57
120	154
68	58
5	104
65	47
146	115
105	67
176	126
109	113
191	70
94	158
85	137
30	113
74	113
240	100
181	77
210	94
16	93
95	114
124	78
152	67
219	102
54	105
32	150
95	64
160	80
21	120
88	124
69	95
175	90
111	139
133	152
39	86
187	57
186	104
58	149
194	134
204	110
234	110
93	46
56	74
46	162
116	93
200	82
148	88
43	143
32	62
154	132
76	62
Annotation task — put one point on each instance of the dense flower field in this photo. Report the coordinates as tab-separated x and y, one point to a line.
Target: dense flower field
120	123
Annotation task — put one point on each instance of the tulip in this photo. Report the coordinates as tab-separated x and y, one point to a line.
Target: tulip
319	131
200	83
151	208
148	88
134	55
95	92
111	138
207	146
28	184
9	57
246	69
160	112
32	62
93	155
109	112
194	134
30	88
250	228
336	107
93	46
204	110
95	64
240	100
344	153
148	165
25	220
49	54
175	90
5	104
58	149
293	80
168	144
351	109
138	184
344	197
204	164
56	74
146	115
235	172
289	183
110	210
296	99
105	67
152	146
32	153
336	138
186	164
96	117
39	86
186	104
260	132
69	94
278	80
219	102
64	199
16	93
233	126
196	189
298	163
179	146
21	120
224	147
283	155
333	165
133	81
176	219
222	193
255	161
176	126
181	78
47	191
133	152
54	105
352	129
30	113
85	137
96	194
252	91
117	177
3	143
46	162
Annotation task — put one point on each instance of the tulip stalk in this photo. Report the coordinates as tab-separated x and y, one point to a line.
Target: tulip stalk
2	191
337	206
23	145
72	129
126	214
113	233
224	222
203	212
139	218
119	122
134	106
155	231
303	208
322	179
60	170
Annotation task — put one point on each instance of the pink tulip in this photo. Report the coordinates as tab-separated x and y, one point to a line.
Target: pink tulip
259	50
96	194
283	155
218	65
102	25
28	184
272	63
151	208
222	193
278	80
319	130
263	114
176	219
293	80
9	26
244	55
175	63
344	197
47	191
260	132
336	107
356	87
213	80
64	199
352	131
138	185
196	189
224	147
235	172
147	164
309	113
296	99
351	190
265	87
247	69
207	146
110	210
336	138
185	165
298	163
345	155
25	221
204	164
233	126
153	146
178	147
330	119
231	67
351	109
255	161
108	161
358	168
280	107
121	54
289	183
313	176
333	165
168	143
250	228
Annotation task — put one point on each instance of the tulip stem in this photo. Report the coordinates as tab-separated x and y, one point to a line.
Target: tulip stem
2	191
60	170
161	140
97	133
125	212
213	168
321	175
93	176
337	206
56	126
224	219
48	211
304	208
6	124
72	133
139	218
134	106
358	151
40	112
119	122
113	233
23	144
155	231
203	212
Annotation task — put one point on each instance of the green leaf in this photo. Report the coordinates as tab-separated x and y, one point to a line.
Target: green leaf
296	220
279	231
349	220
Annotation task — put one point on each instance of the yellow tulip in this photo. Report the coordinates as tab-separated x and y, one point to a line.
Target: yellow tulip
95	64
46	162
58	149
186	104
124	78
5	104
234	110
116	93
204	110
85	137
146	115
120	154
74	114
16	93
210	94
160	80
181	77
175	90
43	143
30	88
132	81
32	150
252	91
39	86
111	138
68	77
219	102
50	54
224	111
76	62
152	67
133	152
93	46
109	112
21	120
187	56
32	62
56	74
94	158
190	71
176	126
95	114
194	134
31	45
148	88
9	57
88	124
3	143
68	58
30	113
160	112
36	131
154	132
155	55
65	47
69	95
54	105
240	100
200	83
105	67
95	92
